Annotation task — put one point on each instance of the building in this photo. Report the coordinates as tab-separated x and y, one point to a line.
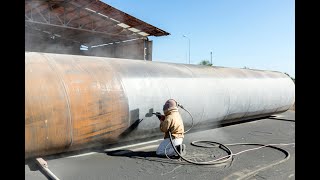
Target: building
86	27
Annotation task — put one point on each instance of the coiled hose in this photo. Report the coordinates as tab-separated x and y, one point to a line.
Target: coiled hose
230	154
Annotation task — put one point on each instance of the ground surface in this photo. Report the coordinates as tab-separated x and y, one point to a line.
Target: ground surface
138	161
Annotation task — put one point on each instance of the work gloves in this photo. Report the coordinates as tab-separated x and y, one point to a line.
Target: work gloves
160	116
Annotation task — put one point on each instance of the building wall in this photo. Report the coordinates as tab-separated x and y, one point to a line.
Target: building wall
39	43
127	50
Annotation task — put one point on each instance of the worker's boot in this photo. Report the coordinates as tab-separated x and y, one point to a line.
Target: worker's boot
181	149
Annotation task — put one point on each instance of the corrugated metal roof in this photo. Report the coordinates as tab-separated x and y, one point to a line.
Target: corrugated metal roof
85	21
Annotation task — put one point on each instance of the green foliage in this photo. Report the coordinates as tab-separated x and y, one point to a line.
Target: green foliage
205	63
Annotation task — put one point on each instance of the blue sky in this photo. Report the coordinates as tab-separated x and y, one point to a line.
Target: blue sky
258	34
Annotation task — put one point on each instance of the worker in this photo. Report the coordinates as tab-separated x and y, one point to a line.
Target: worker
171	121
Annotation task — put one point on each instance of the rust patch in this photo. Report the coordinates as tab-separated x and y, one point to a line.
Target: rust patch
71	103
45	108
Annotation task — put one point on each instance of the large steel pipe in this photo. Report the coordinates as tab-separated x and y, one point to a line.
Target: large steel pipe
74	102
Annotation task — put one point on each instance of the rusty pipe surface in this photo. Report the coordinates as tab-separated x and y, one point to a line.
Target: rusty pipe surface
74	102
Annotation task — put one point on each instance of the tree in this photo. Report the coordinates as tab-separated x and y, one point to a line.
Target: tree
205	63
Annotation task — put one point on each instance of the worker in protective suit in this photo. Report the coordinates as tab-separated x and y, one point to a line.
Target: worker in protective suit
171	121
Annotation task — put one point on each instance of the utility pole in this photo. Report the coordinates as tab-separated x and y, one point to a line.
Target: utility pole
189	46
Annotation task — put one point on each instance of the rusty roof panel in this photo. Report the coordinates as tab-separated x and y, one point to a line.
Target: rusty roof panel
88	16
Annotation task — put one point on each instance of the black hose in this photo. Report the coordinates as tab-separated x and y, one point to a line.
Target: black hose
216	161
190	116
229	155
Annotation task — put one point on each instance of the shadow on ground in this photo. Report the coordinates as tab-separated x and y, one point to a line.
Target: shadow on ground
128	153
34	166
146	155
